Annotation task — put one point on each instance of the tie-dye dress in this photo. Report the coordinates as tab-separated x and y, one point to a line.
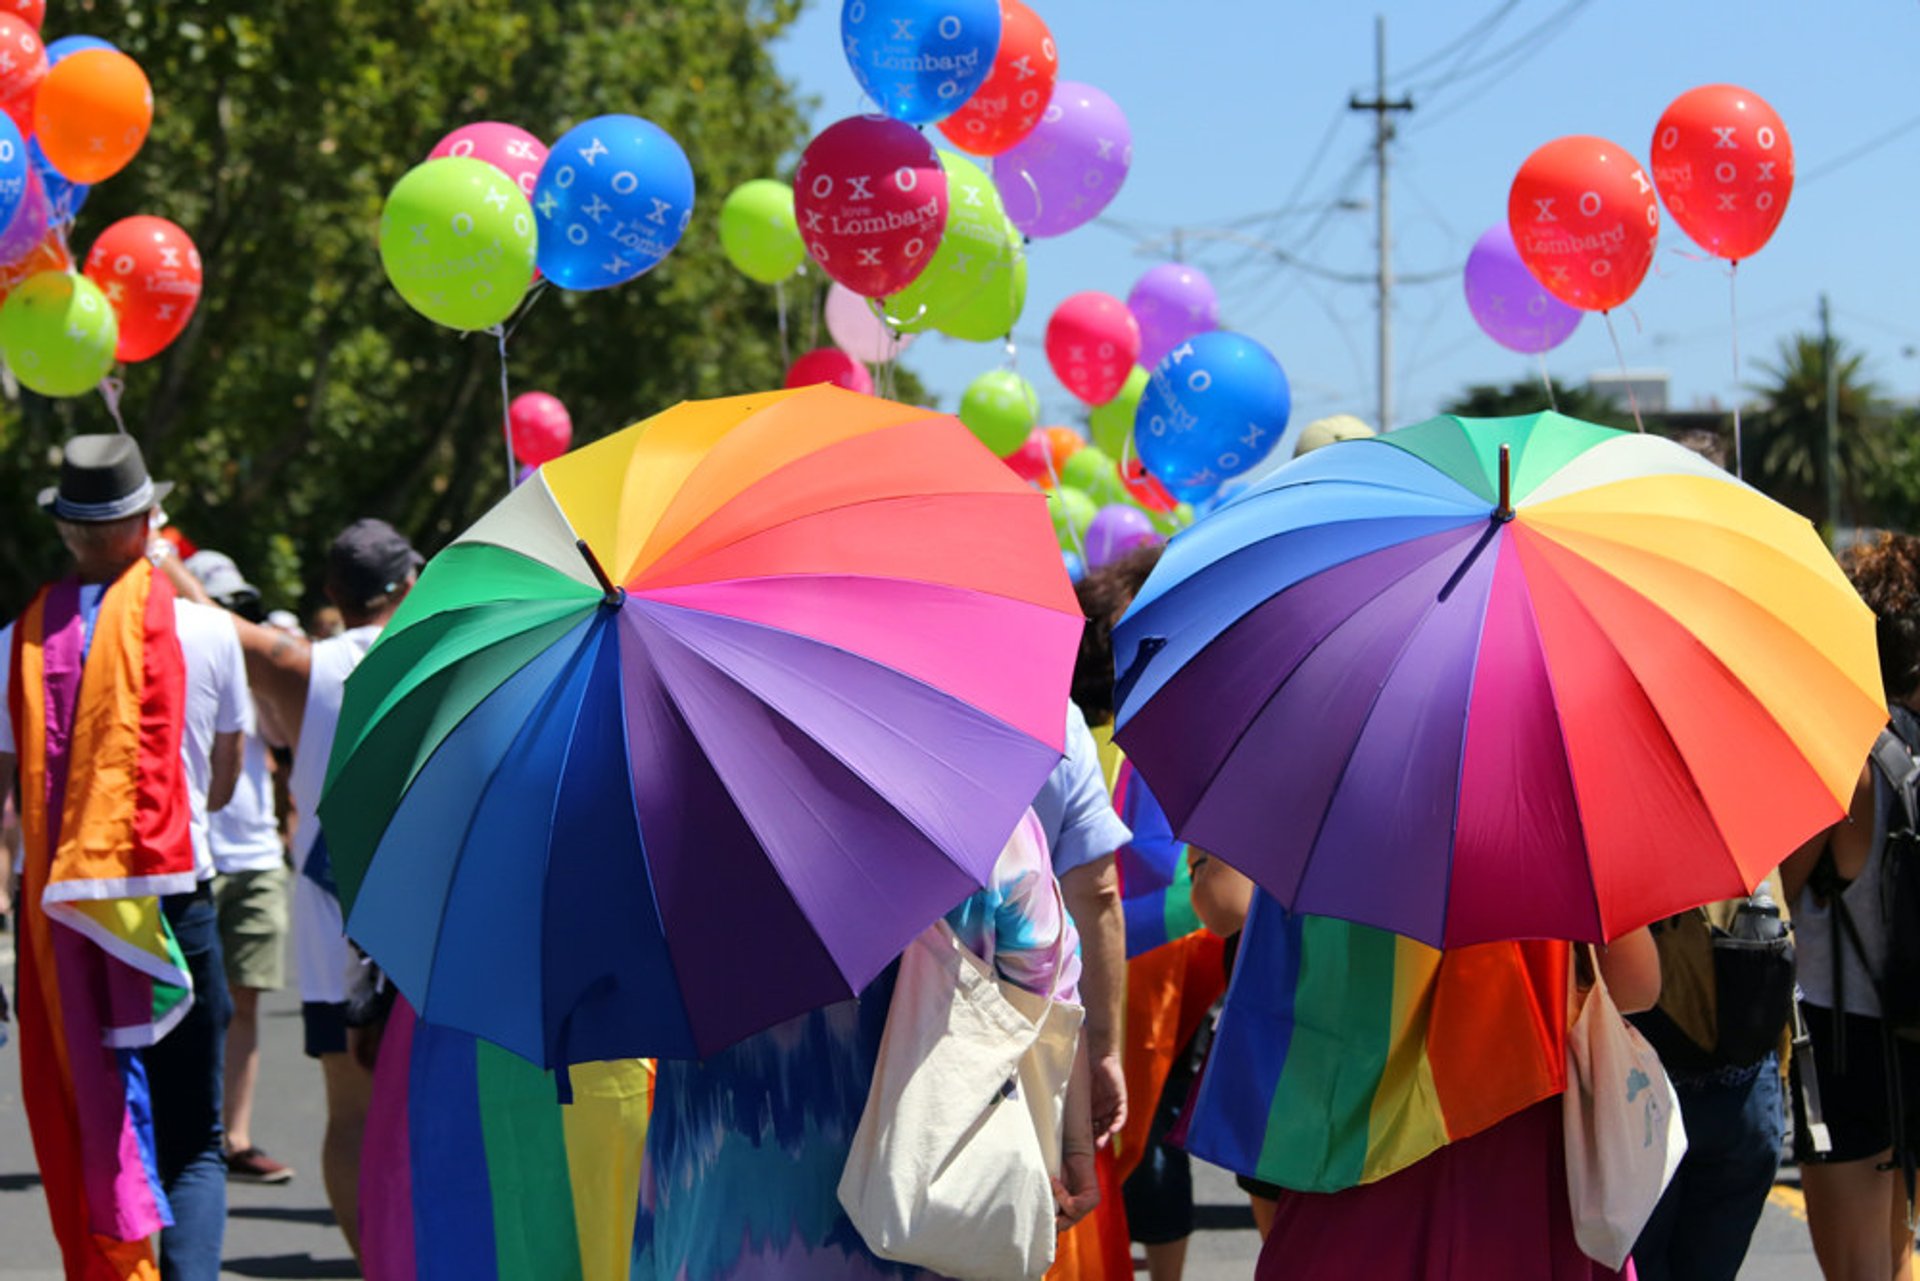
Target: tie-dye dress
745	1151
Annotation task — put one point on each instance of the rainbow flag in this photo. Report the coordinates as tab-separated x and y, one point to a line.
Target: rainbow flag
100	973
1346	1053
473	1169
1156	886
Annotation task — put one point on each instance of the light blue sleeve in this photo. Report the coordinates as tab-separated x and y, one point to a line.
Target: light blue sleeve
1074	807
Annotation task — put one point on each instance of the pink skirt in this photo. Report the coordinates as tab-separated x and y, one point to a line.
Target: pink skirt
1489	1208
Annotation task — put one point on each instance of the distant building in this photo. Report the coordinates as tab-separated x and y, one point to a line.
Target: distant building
1648	387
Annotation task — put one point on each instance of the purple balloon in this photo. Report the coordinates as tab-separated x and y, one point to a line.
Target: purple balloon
1172	302
1115	531
1070	167
29	226
1512	307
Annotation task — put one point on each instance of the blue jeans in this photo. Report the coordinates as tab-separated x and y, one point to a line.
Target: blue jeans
185	1073
1701	1228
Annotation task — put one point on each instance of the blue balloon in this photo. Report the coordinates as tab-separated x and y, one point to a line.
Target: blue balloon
64	197
1216	405
1076	568
13	169
920	60
65	45
613	198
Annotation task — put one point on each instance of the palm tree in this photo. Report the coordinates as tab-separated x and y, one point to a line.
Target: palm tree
1790	431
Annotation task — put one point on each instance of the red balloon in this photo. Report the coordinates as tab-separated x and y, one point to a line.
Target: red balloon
1584	218
23	65
150	272
1724	165
1146	490
1013	97
539	426
830	365
1092	343
1031	462
872	202
31	12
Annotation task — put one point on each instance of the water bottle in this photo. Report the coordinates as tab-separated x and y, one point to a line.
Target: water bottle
1758	919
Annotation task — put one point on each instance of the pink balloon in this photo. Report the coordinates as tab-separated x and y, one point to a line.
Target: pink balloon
508	148
1092	343
830	365
856	330
540	427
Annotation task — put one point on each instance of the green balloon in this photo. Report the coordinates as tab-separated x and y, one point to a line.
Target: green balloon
758	232
458	242
1093	472
58	333
1000	407
973	252
1172	522
1072	512
991	314
1111	424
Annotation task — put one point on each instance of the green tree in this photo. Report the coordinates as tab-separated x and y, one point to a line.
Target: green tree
1486	400
1790	431
305	393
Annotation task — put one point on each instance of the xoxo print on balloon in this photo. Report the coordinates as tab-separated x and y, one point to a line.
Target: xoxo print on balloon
1070	167
149	270
508	148
919	60
1584	218
1724	165
1092	342
612	200
872	202
1009	104
1508	304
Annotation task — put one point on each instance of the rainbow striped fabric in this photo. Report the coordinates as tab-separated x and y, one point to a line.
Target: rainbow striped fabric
474	1169
100	972
1346	1053
1155	883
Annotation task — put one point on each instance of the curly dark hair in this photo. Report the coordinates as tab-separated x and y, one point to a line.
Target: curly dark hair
1886	573
1104	596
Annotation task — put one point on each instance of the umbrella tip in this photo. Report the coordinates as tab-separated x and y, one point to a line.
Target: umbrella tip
614	595
1504	512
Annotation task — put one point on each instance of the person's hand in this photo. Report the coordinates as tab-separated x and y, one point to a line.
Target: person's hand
1076	1193
1109	1098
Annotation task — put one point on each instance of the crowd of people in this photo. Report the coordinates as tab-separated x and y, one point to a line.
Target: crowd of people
1765	1030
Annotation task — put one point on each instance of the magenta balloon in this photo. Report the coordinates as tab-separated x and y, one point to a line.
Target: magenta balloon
1070	167
1115	531
1172	302
1512	307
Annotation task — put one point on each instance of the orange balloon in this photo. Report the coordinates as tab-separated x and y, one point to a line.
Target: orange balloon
92	114
1065	442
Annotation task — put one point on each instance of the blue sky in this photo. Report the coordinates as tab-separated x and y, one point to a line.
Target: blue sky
1239	109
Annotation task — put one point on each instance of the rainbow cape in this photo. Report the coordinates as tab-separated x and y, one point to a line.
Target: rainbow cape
1156	886
1346	1053
100	973
473	1169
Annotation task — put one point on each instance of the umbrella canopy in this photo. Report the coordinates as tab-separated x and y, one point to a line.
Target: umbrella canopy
700	725
1502	678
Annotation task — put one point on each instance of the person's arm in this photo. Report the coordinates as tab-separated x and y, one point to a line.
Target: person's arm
1092	894
278	666
227	749
1631	966
1799	865
1076	1193
1222	895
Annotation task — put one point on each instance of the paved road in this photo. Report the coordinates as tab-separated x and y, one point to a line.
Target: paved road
288	1232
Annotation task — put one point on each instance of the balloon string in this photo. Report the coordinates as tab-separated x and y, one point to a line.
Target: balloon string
526	305
1733	308
780	304
1620	355
506	405
814	313
1079	547
1039	205
110	389
1546	380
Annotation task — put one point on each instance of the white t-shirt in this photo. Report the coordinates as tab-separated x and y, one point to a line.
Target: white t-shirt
217	703
246	834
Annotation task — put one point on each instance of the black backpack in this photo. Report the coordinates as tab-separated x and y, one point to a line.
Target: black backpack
1899	986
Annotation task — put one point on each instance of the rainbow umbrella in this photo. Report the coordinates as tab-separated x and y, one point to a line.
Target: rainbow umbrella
700	725
1501	678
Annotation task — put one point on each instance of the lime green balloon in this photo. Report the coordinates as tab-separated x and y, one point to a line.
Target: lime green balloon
973	252
1112	423
458	242
1000	407
1072	512
1172	522
758	232
991	313
58	333
1091	471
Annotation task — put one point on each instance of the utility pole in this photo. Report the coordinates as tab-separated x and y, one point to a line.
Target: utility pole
1383	109
1833	420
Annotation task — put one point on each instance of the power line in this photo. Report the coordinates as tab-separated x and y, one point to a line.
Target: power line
1866	148
1495	67
1459	43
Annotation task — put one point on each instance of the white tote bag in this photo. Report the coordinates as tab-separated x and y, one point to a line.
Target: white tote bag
1624	1134
953	1162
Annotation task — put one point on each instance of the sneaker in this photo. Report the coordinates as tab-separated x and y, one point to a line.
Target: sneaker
251	1165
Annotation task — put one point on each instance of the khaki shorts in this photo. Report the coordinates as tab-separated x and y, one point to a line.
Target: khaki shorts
253	927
